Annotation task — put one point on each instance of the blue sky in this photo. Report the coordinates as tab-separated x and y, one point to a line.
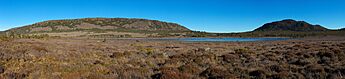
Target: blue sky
202	15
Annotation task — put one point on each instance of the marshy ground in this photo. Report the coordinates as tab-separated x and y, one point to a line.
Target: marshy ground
68	58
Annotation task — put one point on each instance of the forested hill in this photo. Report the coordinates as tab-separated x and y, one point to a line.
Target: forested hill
99	24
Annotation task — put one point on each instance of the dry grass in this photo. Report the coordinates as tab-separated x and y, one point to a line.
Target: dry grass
64	58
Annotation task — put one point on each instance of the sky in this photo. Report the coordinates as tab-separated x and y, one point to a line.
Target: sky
201	15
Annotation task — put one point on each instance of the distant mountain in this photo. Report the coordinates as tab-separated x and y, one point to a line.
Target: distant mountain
288	28
99	24
343	29
291	25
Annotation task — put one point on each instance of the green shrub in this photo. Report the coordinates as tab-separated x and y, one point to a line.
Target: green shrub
243	50
9	36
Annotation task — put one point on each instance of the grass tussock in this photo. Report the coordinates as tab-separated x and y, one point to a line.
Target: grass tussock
114	59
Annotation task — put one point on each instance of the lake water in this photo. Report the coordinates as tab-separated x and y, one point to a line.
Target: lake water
214	39
229	39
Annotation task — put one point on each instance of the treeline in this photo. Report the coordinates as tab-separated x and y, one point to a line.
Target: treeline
110	36
10	36
293	34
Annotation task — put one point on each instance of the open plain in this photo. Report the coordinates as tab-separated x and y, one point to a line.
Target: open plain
79	58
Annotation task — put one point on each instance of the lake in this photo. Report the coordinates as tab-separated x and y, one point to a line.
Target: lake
228	39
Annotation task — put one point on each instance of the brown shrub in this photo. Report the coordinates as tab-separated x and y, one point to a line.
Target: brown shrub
190	68
2	69
217	73
243	51
230	58
315	72
13	75
276	68
280	75
299	62
258	74
171	73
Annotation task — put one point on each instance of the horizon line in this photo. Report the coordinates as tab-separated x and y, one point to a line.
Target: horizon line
18	26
